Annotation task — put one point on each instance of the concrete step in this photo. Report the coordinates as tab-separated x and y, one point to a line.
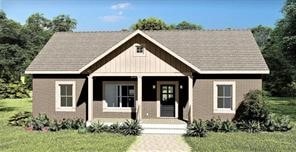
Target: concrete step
164	128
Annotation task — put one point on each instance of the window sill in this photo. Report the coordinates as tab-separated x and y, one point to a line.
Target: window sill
65	109
224	111
128	109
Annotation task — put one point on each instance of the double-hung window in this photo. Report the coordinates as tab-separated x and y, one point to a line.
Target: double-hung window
120	96
65	96
224	97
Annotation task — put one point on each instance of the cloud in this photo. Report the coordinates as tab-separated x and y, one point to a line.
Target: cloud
111	18
120	6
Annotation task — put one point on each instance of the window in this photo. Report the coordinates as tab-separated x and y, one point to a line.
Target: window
65	96
224	97
139	50
119	96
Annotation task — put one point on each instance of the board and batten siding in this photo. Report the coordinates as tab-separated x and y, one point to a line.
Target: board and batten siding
203	96
125	60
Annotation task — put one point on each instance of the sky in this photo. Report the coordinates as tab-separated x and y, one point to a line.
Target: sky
112	15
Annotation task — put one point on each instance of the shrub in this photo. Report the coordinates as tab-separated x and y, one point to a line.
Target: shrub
277	123
252	108
39	122
114	128
97	127
214	124
228	126
19	119
54	126
197	129
249	126
66	124
82	130
13	90
77	123
132	127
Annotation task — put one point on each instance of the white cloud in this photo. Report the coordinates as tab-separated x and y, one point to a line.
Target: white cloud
111	18
120	6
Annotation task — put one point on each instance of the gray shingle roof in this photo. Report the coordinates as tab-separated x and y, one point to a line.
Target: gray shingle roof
229	50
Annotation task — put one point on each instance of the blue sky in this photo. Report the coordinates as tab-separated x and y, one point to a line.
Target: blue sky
97	15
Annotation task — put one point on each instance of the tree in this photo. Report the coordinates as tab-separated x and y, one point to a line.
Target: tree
187	26
63	23
262	35
280	53
150	23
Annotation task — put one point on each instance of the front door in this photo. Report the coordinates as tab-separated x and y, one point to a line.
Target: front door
167	100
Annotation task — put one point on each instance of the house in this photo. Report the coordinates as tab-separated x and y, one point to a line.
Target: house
143	75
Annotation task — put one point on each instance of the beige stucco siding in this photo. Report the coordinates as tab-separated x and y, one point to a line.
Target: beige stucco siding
203	96
125	60
44	98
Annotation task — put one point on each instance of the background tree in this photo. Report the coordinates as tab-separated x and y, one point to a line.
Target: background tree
187	26
63	23
19	44
150	23
262	35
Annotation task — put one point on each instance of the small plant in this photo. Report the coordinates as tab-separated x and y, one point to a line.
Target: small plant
54	126
66	124
214	124
132	127
114	128
197	129
19	119
82	130
39	122
249	126
77	123
228	126
97	127
277	123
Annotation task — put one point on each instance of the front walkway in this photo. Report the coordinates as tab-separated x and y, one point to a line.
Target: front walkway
159	143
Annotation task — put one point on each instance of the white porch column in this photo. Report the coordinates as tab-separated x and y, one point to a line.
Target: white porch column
90	99
139	98
190	97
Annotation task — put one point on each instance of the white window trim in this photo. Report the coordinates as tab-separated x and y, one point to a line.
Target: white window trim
224	110
139	54
58	96
119	109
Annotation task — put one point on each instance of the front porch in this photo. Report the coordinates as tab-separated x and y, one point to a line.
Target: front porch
151	100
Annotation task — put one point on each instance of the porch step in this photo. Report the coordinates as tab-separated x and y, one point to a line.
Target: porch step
164	128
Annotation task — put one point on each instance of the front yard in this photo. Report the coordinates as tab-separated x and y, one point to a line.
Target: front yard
17	139
241	141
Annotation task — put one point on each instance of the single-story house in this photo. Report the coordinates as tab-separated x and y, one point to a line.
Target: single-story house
138	74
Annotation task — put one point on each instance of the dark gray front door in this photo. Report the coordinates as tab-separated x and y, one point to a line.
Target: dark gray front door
167	100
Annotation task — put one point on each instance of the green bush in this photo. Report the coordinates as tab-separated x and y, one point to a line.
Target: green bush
249	126
214	124
39	122
252	108
97	127
20	119
82	130
228	126
277	123
13	90
197	129
114	128
132	127
54	126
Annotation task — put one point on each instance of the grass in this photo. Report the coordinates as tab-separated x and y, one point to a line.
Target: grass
17	139
263	142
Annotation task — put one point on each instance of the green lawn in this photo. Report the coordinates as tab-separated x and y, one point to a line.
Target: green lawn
241	141
17	139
